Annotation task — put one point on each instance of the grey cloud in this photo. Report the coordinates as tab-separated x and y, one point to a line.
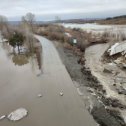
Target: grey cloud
14	9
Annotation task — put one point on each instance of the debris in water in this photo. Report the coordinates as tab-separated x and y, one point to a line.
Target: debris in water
40	95
61	93
17	114
2	117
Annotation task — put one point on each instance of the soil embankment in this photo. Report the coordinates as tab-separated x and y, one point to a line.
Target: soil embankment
90	90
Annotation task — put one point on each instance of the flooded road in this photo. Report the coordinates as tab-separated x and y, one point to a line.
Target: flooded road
20	86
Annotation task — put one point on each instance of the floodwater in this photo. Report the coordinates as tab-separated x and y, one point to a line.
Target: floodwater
87	26
20	87
97	28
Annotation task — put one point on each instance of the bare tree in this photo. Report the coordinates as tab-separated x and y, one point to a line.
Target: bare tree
28	22
29	19
3	21
4	26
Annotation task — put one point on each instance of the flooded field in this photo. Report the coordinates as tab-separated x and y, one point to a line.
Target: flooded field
87	26
96	27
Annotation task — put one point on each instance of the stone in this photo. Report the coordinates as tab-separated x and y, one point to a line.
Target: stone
39	95
121	91
110	68
2	117
17	114
61	93
114	84
79	92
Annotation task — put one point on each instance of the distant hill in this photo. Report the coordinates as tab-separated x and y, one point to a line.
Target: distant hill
119	20
18	22
79	21
117	17
14	22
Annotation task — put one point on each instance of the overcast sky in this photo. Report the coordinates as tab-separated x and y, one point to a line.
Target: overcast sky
66	9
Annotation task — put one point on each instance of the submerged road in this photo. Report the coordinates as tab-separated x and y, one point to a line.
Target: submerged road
51	109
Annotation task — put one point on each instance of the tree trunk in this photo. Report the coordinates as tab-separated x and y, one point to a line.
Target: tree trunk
18	49
14	50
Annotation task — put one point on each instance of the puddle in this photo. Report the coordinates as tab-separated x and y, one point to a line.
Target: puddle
2	117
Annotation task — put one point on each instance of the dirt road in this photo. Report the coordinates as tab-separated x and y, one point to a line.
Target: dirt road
51	109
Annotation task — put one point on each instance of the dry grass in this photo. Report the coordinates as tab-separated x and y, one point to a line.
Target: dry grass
53	32
56	32
84	39
117	35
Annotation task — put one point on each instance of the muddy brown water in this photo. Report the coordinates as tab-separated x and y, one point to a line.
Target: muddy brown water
20	86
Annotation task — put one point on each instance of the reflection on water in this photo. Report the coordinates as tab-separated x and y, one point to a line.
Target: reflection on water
20	59
39	57
23	59
18	77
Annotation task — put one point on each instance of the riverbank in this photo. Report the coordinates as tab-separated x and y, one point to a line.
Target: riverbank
90	89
